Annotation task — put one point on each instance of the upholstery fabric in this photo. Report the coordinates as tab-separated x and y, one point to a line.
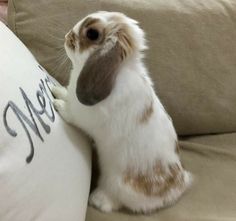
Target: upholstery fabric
212	160
3	10
191	57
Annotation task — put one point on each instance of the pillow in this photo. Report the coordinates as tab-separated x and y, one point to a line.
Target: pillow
44	163
191	57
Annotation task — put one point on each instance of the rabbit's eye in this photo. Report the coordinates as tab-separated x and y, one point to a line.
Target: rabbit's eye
92	34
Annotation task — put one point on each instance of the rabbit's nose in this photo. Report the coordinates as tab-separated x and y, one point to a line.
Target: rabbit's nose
70	39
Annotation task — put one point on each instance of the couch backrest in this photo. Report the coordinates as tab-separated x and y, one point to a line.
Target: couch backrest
192	55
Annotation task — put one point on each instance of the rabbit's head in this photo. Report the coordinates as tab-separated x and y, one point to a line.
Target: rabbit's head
98	45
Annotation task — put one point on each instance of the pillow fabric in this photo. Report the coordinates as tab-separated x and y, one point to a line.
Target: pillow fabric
191	56
44	163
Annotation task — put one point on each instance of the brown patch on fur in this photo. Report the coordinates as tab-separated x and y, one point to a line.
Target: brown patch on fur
147	113
84	42
125	41
123	33
157	182
71	38
119	28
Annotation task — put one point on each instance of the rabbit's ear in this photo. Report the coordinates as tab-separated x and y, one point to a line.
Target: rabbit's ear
99	73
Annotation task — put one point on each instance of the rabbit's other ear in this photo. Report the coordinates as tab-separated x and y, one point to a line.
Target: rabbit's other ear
98	75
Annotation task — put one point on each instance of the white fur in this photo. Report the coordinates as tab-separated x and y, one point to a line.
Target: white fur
121	139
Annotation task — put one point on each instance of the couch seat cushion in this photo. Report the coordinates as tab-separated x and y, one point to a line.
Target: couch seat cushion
212	160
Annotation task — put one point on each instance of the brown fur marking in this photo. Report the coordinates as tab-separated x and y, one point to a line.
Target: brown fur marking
71	40
118	28
157	182
84	42
147	113
125	41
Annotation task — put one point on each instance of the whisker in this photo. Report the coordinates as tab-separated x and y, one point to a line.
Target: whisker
55	27
55	37
68	68
62	61
62	53
59	63
60	47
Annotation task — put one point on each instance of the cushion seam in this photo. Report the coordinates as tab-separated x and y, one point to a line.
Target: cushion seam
15	29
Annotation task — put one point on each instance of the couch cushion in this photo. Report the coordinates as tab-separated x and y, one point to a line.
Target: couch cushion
212	160
191	57
3	10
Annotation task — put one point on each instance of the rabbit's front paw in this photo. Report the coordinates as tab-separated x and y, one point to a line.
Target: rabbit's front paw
59	92
102	201
61	108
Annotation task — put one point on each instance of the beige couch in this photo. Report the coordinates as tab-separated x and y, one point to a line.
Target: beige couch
192	60
3	10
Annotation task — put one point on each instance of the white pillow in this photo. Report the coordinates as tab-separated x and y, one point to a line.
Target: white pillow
44	163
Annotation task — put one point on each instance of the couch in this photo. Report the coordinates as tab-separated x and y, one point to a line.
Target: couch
3	10
191	58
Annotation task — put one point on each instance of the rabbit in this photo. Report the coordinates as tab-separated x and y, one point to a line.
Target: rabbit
110	97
